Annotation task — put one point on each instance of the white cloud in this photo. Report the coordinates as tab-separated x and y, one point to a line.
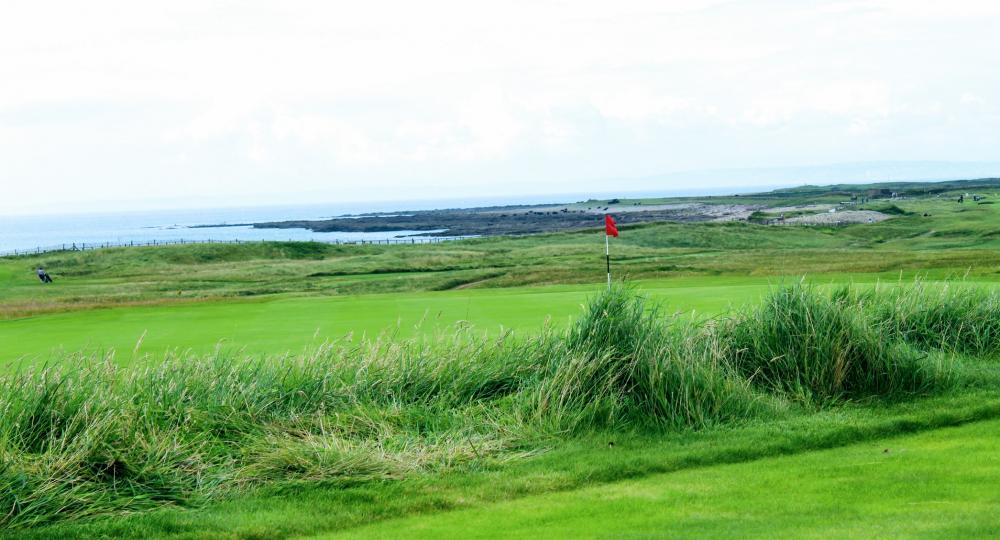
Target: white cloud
639	105
936	9
835	98
969	98
272	96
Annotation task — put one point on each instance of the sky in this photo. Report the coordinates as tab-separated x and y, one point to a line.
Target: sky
124	104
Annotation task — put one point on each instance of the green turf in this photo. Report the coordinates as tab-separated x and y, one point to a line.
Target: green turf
939	484
292	324
300	510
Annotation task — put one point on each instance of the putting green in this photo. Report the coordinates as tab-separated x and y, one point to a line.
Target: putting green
895	488
290	324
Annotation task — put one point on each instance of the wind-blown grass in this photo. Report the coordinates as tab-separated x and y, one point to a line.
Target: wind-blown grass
95	439
951	317
629	365
809	346
80	442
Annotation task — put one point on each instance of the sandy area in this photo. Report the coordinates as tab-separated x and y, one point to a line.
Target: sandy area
847	216
713	211
722	212
803	208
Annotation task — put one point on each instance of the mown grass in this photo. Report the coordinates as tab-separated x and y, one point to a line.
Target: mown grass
292	325
898	488
96	440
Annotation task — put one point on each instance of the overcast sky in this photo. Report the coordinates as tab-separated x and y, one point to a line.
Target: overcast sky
235	102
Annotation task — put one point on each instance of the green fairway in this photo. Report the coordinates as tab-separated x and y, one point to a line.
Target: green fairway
938	484
293	324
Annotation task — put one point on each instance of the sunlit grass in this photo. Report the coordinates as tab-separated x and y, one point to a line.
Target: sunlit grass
95	439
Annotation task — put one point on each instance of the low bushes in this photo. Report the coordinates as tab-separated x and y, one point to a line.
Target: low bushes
95	439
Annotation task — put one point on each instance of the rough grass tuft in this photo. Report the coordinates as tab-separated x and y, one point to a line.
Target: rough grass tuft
627	365
807	345
953	317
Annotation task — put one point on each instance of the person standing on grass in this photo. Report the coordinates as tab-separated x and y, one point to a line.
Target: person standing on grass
44	276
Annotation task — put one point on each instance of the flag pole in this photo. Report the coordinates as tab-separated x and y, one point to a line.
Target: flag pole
607	256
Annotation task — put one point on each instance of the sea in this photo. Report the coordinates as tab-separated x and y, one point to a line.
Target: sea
53	231
26	233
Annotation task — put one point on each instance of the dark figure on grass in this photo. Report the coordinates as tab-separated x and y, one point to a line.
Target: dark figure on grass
44	276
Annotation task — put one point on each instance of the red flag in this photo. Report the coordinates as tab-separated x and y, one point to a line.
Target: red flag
610	227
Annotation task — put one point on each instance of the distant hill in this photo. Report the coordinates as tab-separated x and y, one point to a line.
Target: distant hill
903	188
865	172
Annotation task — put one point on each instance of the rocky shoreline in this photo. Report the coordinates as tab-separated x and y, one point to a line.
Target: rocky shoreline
513	220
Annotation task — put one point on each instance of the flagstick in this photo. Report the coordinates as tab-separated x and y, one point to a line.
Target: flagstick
607	255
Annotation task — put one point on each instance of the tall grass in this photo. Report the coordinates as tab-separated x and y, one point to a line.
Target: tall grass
88	438
814	348
627	365
79	441
953	317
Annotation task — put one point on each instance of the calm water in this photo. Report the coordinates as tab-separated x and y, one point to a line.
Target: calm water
28	232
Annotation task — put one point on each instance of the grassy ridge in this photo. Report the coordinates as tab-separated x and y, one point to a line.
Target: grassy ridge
78	443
